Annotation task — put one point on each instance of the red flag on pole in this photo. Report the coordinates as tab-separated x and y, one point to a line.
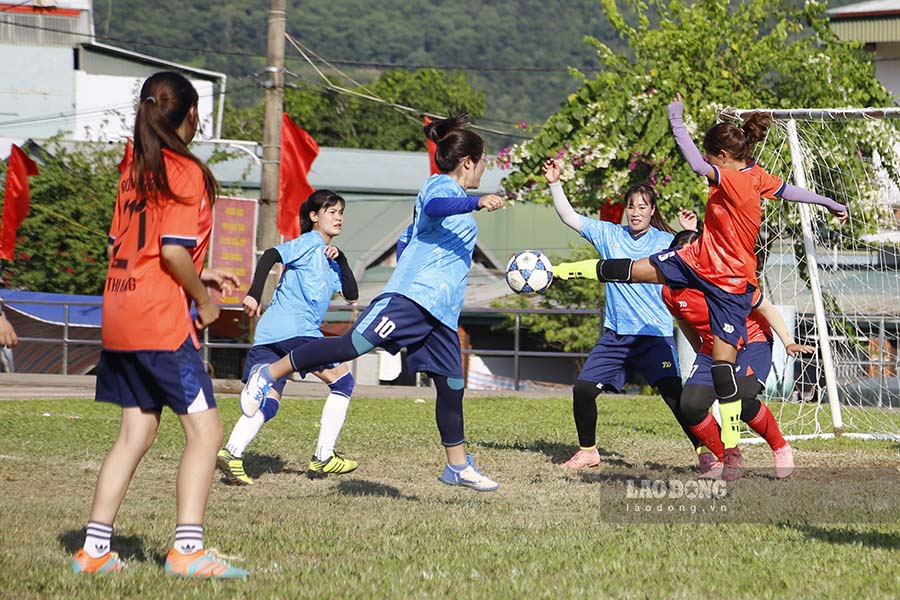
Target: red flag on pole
126	158
432	148
298	151
16	199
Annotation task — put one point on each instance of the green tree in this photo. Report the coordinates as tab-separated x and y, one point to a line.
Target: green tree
613	131
61	245
348	121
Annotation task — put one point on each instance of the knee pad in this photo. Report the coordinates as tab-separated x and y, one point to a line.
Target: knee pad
615	270
724	381
269	408
343	385
670	389
695	402
585	392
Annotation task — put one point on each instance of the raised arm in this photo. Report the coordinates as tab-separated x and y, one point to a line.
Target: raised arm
444	207
565	211
793	193
685	144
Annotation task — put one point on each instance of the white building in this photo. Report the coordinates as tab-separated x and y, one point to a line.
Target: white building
55	78
876	23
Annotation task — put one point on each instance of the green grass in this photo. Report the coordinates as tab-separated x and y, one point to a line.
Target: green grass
392	530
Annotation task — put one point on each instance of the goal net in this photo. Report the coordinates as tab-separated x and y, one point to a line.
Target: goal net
838	286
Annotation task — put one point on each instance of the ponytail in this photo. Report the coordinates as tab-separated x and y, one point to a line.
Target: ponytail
165	102
738	142
454	142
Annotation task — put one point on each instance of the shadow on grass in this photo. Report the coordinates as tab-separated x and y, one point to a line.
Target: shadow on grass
556	451
256	465
840	535
361	487
129	547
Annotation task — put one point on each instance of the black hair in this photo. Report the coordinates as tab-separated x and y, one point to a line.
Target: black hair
318	200
165	101
737	141
683	238
454	142
649	195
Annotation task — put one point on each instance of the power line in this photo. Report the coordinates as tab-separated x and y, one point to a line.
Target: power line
100	110
346	62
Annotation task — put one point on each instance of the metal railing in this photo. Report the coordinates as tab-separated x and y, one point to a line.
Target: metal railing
875	327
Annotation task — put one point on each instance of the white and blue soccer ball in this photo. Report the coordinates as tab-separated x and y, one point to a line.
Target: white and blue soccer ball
529	272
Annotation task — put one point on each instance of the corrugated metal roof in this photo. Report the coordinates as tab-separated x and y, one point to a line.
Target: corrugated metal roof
869	8
868	31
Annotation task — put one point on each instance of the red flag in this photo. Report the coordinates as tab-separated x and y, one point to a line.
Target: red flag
611	210
432	148
16	199
126	158
298	151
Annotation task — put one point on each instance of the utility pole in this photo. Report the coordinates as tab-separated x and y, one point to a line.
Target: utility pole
267	231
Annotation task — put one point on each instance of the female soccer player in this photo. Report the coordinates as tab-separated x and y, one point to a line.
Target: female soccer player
419	308
150	355
722	263
637	327
753	363
314	271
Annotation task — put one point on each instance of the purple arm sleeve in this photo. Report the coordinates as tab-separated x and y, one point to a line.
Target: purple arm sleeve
444	207
685	143
796	194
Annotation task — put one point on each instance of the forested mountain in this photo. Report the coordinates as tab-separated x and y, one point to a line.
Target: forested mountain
515	51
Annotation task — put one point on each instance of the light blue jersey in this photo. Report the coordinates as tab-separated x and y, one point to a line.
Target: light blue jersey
434	267
301	299
631	308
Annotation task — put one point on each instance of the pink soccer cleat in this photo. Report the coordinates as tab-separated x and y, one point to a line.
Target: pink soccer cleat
733	464
784	461
707	461
582	459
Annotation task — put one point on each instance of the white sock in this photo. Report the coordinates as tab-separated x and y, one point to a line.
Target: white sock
243	433
333	415
96	542
188	538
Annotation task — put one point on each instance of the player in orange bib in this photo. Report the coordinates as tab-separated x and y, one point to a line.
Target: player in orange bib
722	263
150	359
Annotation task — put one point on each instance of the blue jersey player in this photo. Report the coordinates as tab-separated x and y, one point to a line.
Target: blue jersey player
638	329
314	271
419	308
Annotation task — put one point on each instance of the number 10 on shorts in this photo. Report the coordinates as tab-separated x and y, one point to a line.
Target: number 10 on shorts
385	328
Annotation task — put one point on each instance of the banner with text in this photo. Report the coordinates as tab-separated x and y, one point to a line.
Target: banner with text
233	244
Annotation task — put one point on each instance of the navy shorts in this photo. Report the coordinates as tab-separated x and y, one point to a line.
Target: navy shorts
269	353
727	312
394	322
654	357
151	379
754	359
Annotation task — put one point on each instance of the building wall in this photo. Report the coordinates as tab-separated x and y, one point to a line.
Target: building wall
887	66
106	105
37	91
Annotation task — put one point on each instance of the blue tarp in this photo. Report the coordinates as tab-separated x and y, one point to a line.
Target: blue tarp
51	308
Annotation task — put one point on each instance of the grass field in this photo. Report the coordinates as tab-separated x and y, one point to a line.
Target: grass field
392	530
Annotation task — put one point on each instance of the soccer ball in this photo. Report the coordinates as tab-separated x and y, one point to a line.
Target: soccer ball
529	272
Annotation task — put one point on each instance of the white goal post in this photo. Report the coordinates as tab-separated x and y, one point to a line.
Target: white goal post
842	283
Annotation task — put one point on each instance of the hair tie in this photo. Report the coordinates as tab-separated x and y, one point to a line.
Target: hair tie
151	99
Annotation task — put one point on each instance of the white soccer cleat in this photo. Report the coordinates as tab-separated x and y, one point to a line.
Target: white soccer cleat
255	390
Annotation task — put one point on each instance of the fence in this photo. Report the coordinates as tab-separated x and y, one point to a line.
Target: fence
880	361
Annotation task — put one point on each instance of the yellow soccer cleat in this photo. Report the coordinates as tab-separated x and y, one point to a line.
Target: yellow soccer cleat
233	468
337	465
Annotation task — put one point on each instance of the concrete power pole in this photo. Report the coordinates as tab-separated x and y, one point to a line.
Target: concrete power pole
267	231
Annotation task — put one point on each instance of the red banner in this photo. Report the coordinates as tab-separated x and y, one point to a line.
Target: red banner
233	244
16	199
